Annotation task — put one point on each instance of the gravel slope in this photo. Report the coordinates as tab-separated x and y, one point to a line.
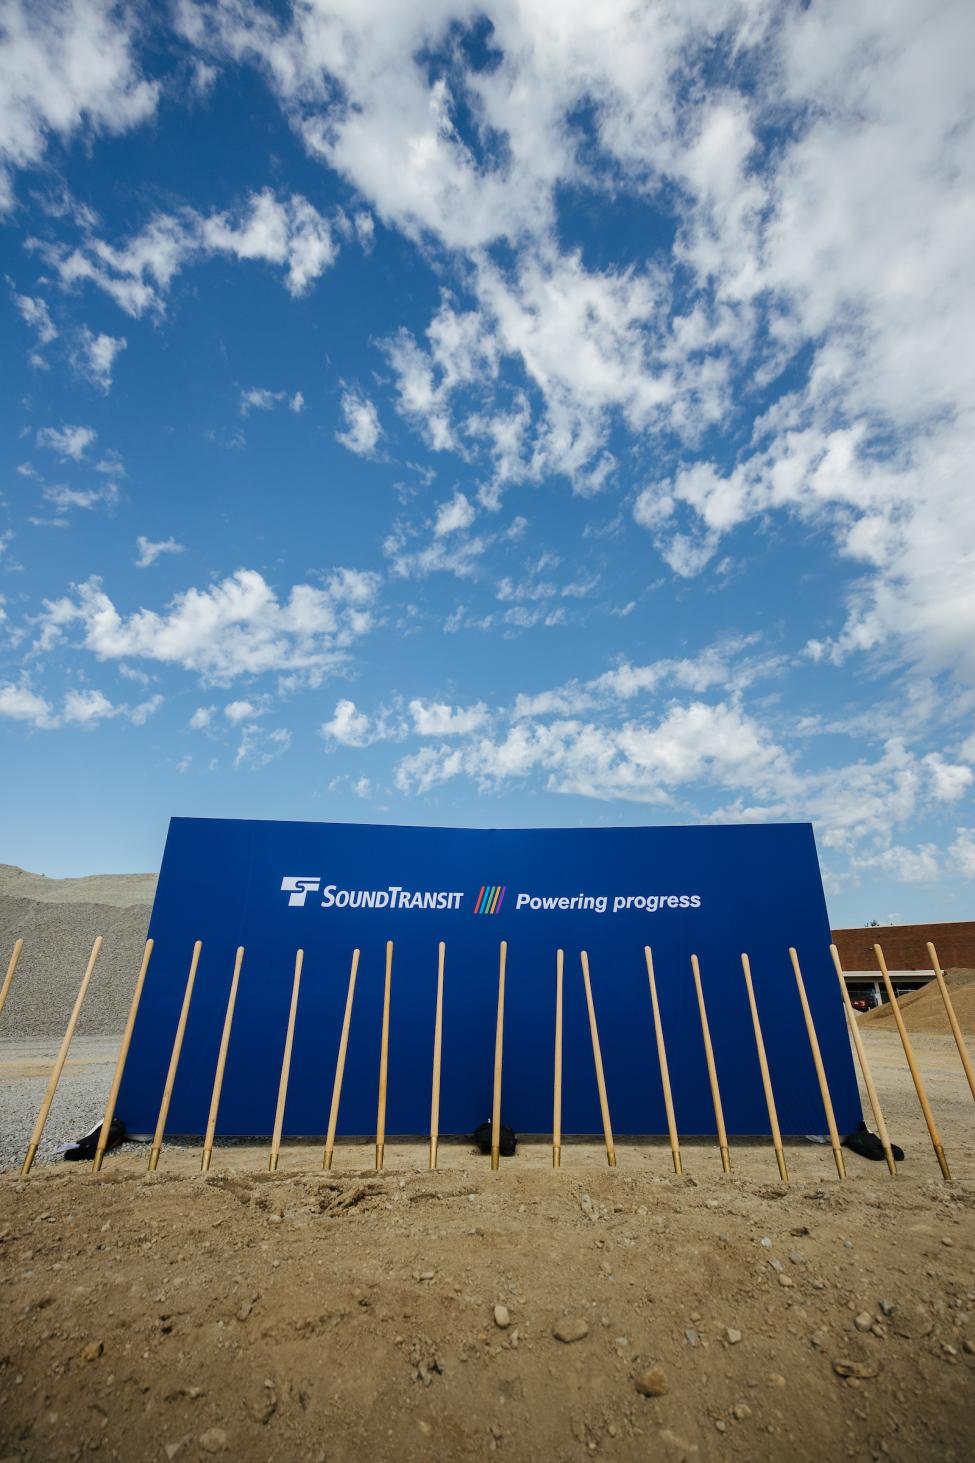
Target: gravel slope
58	920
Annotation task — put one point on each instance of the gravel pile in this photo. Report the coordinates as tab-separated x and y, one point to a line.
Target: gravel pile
58	920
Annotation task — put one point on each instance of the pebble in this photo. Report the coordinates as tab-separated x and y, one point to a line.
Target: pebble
721	1425
856	1369
741	1410
777	1379
732	1335
786	1281
863	1321
92	1351
651	1383
571	1329
796	1258
947	1242
765	1242
819	1339
214	1440
887	1307
691	1336
502	1317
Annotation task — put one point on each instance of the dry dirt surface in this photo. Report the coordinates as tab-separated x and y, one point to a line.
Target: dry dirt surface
534	1313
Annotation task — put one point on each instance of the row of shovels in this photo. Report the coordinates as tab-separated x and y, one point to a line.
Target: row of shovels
723	1147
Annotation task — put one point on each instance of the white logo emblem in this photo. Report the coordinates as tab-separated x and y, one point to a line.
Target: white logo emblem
298	888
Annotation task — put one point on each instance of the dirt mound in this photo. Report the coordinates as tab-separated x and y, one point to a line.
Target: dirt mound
924	1010
58	920
546	1314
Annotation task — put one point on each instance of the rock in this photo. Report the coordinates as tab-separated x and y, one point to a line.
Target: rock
720	1425
786	1281
263	1405
776	1265
732	1335
682	1448
741	1410
796	1258
968	1347
691	1336
425	1275
571	1329
765	1242
244	1310
502	1318
859	1369
777	1379
819	1338
171	1449
214	1440
651	1383
92	1351
886	1307
863	1321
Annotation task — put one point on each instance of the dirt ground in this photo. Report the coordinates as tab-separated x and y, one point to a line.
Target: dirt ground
349	1315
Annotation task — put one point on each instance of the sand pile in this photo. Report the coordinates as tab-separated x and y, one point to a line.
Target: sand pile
59	919
924	1010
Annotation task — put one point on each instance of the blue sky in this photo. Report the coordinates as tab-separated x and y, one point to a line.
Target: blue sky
518	415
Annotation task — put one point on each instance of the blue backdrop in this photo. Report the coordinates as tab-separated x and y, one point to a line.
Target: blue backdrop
713	891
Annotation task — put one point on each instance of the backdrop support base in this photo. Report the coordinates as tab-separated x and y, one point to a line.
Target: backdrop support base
25	1167
153	1160
678	1165
942	1161
272	1163
725	1158
780	1160
433	1152
380	1151
557	1156
495	1160
611	1158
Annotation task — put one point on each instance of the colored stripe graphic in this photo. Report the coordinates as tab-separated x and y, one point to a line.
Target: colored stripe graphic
490	899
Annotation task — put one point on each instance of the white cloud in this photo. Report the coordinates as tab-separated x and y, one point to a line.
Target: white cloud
202	717
67	442
961	854
233	628
258	747
88	708
453	516
237	711
439	719
97	357
362	429
288	233
65	68
20	703
149	550
949	780
35	313
349	727
296	403
716	743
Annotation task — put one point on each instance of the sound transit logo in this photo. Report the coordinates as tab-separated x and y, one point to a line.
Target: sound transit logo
490	899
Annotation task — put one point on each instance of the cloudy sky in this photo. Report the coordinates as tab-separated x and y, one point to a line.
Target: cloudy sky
511	414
